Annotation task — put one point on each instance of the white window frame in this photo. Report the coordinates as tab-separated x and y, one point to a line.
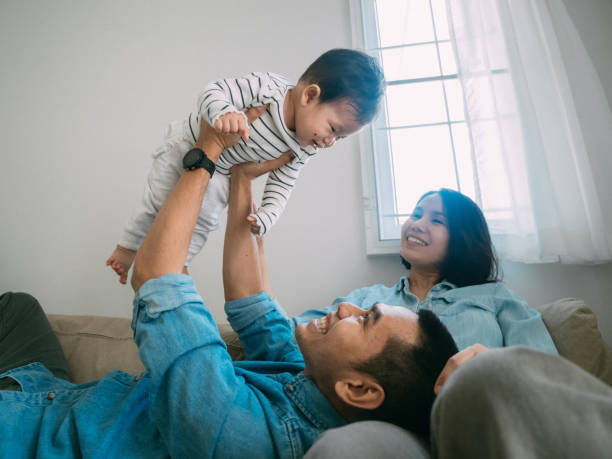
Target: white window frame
376	136
374	244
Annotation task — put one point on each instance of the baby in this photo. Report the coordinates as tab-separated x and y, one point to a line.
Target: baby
336	96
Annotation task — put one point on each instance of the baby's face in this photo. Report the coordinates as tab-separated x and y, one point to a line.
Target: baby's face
320	124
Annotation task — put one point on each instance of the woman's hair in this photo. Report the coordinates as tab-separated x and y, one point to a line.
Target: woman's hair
470	258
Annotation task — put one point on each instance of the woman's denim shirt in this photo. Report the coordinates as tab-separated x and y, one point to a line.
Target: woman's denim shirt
489	314
192	400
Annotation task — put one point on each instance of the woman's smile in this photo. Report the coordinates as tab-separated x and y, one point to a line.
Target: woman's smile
413	240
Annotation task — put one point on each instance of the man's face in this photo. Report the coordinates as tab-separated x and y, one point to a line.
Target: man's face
320	124
350	335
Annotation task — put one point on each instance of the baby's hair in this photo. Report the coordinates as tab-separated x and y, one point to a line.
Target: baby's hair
348	74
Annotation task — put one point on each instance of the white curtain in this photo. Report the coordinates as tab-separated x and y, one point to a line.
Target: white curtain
541	130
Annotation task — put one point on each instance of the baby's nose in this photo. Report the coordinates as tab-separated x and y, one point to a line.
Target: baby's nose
329	140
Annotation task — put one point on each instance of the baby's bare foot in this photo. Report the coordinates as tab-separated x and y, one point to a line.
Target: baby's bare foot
121	260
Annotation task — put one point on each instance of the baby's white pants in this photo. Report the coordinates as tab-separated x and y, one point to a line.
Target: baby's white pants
165	172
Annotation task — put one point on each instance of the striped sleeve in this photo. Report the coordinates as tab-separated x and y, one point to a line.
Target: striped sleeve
231	95
276	194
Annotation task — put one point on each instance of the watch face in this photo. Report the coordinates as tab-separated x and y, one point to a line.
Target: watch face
192	158
196	158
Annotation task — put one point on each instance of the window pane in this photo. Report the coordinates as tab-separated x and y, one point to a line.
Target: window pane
404	21
439	9
454	98
422	161
410	62
415	103
447	57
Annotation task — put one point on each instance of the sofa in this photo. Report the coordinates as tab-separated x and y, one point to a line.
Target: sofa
95	345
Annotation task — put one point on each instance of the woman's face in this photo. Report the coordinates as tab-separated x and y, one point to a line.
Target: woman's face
425	235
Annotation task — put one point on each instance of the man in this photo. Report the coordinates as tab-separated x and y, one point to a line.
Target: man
193	401
506	403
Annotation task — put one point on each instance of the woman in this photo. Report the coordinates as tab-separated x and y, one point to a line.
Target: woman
447	248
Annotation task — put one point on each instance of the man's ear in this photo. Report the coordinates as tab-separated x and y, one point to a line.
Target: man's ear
310	94
360	391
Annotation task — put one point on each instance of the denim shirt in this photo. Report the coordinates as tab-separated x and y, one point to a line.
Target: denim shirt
489	314
191	401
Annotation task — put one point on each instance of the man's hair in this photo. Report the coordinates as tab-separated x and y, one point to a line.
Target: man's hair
470	258
348	74
407	372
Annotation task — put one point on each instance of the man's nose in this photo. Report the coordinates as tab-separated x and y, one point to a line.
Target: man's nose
347	310
343	311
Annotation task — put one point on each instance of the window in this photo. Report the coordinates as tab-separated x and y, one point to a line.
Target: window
421	141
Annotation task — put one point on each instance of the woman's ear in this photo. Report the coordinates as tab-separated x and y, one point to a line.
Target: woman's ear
360	391
310	94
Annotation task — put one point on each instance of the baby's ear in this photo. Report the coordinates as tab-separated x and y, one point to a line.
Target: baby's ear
310	94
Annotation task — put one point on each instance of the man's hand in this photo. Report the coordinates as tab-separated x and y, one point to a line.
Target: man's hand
249	171
213	142
455	362
253	170
233	123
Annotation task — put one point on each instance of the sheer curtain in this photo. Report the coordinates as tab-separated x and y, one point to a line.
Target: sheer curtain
541	130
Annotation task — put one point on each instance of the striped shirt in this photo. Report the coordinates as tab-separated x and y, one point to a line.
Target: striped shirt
269	136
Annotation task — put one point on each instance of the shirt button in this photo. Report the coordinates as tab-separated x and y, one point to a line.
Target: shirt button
50	395
290	388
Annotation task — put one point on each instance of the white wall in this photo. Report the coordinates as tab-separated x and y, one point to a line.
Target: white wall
86	90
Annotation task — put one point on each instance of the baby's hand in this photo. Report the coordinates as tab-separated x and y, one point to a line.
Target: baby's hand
253	221
232	123
255	228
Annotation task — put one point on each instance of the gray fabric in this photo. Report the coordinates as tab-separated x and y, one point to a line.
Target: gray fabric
368	440
521	403
26	337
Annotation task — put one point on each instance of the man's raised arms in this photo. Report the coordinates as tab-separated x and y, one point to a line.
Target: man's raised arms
164	249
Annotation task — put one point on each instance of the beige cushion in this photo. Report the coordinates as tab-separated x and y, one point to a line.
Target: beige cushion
573	328
95	345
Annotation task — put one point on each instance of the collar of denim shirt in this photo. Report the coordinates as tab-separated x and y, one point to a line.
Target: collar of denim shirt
404	286
303	391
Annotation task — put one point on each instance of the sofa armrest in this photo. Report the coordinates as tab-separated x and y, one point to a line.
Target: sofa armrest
573	328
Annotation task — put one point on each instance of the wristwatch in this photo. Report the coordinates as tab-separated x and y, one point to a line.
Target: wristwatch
196	158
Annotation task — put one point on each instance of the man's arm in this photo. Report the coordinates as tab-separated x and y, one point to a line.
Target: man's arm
261	324
179	343
243	270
